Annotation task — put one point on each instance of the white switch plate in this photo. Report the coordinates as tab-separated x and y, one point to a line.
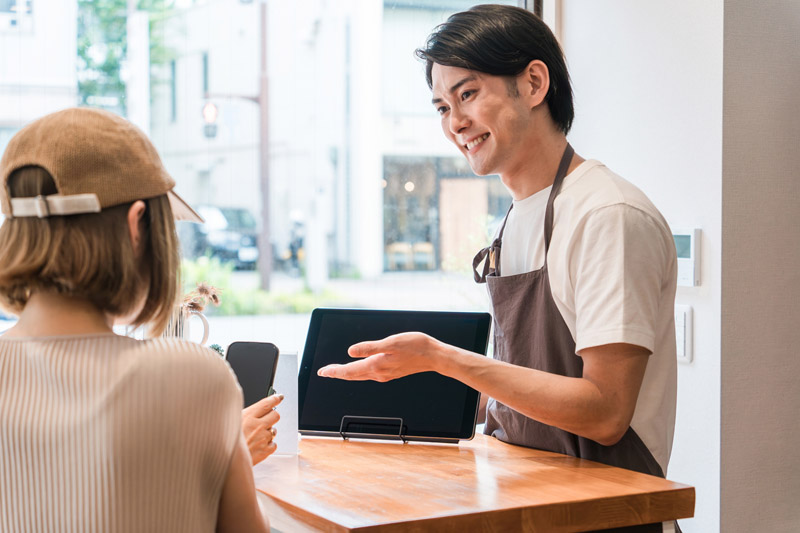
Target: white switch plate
683	333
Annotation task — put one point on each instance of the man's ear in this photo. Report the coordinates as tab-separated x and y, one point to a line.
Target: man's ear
534	82
135	214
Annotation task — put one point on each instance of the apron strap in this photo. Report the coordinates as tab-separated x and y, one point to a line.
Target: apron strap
566	159
490	255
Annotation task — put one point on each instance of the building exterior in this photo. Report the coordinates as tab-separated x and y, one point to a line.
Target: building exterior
353	139
38	63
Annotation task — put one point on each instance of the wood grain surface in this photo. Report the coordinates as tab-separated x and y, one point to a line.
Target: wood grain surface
479	485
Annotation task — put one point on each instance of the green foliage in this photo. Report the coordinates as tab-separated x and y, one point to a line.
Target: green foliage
242	301
347	272
103	47
208	270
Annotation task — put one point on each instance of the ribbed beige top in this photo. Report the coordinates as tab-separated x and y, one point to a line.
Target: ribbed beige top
110	434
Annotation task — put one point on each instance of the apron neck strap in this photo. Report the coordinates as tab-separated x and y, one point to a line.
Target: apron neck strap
505	219
566	159
490	256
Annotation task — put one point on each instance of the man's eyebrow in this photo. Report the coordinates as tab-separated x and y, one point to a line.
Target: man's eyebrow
456	85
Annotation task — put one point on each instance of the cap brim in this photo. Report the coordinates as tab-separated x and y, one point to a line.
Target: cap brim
181	210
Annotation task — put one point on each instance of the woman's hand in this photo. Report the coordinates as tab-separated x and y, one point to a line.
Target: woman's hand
258	423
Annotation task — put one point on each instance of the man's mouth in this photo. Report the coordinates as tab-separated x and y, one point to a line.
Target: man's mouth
476	141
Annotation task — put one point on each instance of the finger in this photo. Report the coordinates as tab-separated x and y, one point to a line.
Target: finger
264	406
270	419
262	454
367	348
274	432
357	371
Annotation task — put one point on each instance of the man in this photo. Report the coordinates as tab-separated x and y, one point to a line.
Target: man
581	275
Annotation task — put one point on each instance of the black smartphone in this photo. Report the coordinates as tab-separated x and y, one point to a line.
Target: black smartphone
254	364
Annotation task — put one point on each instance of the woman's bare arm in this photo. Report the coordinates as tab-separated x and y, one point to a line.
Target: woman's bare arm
238	507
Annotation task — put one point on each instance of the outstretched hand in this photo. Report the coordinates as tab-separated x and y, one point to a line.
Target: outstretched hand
390	358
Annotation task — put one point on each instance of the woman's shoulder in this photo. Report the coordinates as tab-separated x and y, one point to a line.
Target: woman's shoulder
195	367
168	352
176	347
161	355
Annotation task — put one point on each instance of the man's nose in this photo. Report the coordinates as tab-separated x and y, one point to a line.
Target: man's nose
458	121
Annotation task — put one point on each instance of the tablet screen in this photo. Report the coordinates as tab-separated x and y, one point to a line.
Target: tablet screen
431	405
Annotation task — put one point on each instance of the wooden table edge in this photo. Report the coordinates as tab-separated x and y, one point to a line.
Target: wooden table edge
574	516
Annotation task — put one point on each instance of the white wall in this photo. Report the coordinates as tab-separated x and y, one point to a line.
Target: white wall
760	433
647	78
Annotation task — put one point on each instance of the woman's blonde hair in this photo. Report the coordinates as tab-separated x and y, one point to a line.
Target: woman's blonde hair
90	256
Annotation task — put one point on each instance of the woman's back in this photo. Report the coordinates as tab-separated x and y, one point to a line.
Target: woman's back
107	433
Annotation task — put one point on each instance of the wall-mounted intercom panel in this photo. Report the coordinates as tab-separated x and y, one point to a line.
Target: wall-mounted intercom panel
687	244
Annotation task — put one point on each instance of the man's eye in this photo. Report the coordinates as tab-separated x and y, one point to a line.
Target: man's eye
467	94
441	110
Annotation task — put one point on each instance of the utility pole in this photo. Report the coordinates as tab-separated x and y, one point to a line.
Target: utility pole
264	241
262	100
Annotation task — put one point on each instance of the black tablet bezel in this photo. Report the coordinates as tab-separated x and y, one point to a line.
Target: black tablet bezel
307	371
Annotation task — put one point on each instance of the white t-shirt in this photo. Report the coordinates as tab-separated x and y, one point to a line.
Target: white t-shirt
613	272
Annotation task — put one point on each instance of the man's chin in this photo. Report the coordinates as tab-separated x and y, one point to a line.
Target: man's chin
478	169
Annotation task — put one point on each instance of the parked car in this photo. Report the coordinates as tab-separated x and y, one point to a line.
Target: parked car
229	233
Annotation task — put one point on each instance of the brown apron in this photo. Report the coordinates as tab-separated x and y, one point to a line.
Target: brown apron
529	331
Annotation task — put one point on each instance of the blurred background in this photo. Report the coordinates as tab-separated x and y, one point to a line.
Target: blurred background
302	132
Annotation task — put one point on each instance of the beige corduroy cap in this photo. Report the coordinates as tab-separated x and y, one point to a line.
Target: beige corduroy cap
97	160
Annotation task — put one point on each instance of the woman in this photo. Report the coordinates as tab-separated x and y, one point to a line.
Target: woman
101	432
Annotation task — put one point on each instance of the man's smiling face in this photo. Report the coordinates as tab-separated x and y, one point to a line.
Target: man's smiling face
484	117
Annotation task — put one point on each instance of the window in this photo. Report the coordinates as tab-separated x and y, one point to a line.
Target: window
368	204
16	14
5	136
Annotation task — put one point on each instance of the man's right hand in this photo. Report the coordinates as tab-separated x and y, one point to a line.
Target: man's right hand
257	424
394	357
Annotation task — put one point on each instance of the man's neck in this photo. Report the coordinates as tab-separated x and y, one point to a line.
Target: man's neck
50	314
540	167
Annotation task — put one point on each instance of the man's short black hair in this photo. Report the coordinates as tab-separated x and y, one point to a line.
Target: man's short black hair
502	40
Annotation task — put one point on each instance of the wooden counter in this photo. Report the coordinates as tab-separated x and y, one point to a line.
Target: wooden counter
483	484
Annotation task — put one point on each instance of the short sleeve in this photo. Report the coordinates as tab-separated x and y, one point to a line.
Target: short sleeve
618	266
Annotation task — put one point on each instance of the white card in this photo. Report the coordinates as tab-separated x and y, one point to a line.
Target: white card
286	384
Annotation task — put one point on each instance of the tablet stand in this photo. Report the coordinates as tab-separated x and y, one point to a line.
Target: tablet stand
369	427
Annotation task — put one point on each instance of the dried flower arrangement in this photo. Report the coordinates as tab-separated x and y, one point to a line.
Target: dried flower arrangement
198	299
193	302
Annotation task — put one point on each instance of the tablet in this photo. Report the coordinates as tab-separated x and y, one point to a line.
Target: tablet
426	406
